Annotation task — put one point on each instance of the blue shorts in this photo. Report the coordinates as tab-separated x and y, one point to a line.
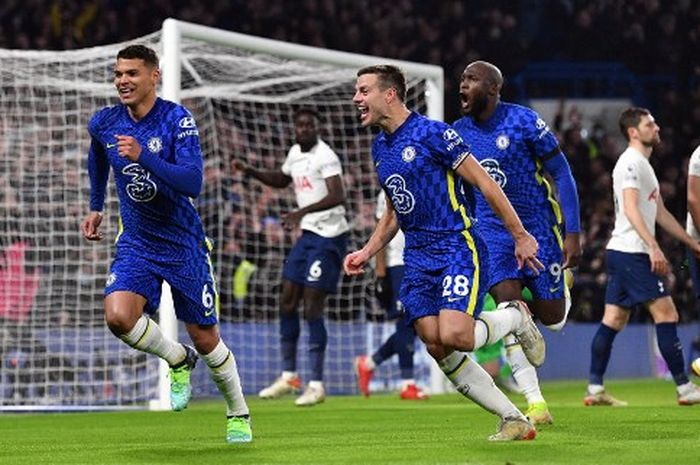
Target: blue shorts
395	274
548	285
630	280
192	284
315	261
694	268
445	275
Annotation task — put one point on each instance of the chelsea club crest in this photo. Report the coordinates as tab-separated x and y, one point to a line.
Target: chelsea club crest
408	154
502	142
155	145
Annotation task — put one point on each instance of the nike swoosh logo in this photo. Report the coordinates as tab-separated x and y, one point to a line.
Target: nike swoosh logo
554	289
209	313
109	146
453	299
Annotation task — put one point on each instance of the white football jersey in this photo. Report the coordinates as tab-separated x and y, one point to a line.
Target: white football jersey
394	249
309	171
693	170
633	170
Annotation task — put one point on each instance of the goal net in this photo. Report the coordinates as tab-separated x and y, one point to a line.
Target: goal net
56	351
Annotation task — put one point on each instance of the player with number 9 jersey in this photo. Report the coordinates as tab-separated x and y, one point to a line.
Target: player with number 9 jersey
512	148
516	147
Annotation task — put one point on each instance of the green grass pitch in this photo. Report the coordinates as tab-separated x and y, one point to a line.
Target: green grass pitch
446	429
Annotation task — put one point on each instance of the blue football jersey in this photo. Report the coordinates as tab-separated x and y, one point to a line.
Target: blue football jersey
156	220
415	167
511	146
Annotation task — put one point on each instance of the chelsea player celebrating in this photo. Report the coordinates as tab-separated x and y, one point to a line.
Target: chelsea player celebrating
416	160
514	145
153	147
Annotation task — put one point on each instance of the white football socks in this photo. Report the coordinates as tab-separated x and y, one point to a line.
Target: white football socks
224	373
493	326
523	371
470	379
146	336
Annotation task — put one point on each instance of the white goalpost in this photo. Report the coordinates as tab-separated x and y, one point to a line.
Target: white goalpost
56	352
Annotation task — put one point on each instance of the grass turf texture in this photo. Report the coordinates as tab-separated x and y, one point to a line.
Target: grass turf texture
446	429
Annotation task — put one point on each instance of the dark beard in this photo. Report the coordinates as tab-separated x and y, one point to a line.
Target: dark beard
478	106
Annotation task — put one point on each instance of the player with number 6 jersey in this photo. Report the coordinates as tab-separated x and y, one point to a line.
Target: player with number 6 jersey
160	230
312	268
152	145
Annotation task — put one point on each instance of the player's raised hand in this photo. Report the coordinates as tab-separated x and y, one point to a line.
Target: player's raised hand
91	226
128	147
239	166
572	250
355	262
526	248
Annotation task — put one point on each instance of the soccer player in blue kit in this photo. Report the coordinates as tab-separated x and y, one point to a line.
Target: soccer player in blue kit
420	164
515	146
152	145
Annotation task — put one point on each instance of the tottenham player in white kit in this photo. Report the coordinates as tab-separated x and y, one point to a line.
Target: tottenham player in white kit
312	268
637	267
693	219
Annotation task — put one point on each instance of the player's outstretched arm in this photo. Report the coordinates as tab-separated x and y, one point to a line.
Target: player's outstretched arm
335	196
667	221
694	197
98	171
269	178
525	245
386	229
558	167
693	192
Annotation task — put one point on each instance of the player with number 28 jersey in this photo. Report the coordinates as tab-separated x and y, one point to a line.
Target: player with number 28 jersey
415	167
421	165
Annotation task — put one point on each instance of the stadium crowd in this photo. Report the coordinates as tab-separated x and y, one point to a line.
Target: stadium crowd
648	38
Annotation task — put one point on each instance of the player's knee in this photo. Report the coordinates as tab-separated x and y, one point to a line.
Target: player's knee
556	327
431	339
458	340
615	317
118	322
551	315
313	312
288	307
204	338
436	350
